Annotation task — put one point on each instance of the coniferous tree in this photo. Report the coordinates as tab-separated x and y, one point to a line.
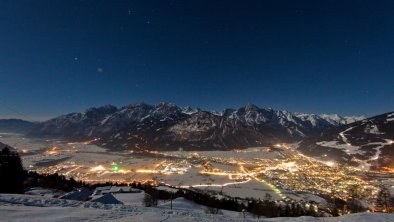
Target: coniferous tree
391	203
148	201
11	172
353	202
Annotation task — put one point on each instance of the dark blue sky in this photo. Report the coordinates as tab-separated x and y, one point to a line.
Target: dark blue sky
308	56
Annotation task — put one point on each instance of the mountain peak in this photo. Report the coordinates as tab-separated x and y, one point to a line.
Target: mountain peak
137	105
105	108
250	107
189	110
166	104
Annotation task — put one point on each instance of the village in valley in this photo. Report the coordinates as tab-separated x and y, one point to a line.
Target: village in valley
279	172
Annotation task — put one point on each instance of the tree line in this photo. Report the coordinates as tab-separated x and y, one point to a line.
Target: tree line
14	179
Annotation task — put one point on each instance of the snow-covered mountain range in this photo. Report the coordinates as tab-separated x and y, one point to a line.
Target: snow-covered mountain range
167	126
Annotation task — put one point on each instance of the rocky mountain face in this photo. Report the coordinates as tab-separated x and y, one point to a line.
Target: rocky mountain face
293	126
167	126
74	125
368	143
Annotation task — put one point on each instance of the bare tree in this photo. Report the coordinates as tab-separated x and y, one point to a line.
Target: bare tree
383	199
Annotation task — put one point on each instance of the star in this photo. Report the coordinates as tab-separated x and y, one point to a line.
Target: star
100	70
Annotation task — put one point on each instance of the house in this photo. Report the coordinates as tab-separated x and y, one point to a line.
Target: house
107	199
81	195
115	189
122	189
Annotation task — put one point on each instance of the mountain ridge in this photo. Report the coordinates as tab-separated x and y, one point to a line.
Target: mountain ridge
16	126
167	126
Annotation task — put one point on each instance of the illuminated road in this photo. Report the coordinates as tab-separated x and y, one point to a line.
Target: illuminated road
276	190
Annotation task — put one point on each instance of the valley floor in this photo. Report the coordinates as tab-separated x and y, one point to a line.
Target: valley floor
15	207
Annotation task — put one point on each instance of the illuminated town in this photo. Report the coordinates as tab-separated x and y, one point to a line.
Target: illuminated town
280	171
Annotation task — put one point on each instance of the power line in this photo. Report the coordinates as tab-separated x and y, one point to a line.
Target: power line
15	111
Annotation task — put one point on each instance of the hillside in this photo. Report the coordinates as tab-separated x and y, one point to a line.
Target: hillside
368	143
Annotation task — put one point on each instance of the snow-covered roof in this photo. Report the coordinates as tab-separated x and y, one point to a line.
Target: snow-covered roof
78	195
107	199
103	188
116	189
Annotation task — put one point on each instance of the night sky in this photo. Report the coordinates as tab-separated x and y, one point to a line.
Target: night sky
306	56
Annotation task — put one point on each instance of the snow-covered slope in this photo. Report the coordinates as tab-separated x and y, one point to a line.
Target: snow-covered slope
369	143
15	207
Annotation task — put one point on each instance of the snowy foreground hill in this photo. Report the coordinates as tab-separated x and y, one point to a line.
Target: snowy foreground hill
14	207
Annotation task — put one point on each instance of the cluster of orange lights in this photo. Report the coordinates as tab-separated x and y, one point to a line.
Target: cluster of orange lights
84	142
54	150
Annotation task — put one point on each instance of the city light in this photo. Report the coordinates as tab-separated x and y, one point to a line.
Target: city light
116	167
330	163
98	168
